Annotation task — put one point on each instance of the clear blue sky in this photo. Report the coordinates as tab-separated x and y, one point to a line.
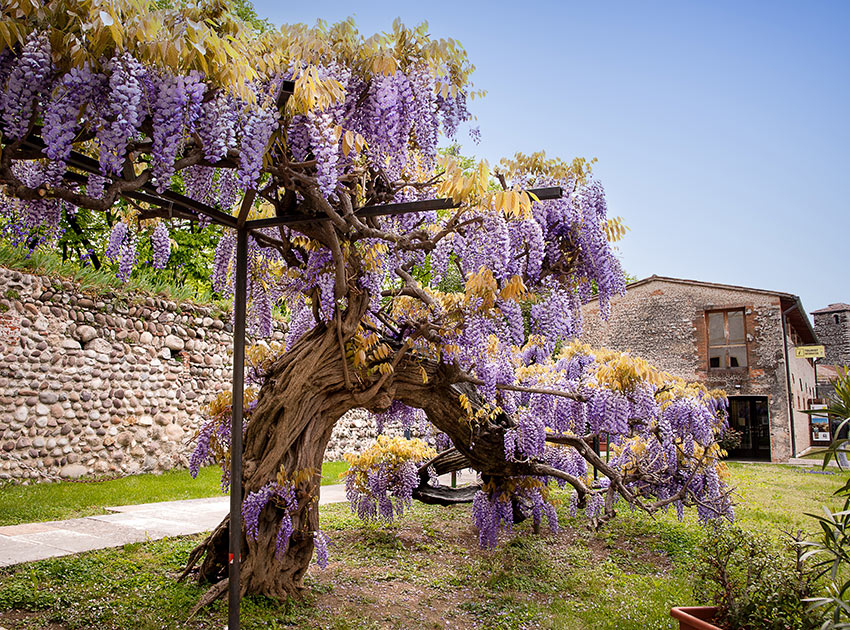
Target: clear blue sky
721	128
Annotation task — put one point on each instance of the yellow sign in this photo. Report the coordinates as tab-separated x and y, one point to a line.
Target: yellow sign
809	352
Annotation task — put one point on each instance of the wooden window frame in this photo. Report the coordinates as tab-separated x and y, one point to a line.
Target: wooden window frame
709	346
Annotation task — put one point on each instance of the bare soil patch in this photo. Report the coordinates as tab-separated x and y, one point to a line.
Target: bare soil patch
19	619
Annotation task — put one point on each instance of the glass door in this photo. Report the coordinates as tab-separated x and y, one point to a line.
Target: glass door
749	416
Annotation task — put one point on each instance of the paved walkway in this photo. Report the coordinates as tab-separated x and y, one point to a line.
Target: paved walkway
128	524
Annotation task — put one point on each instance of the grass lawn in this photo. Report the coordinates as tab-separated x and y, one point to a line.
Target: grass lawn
75	499
425	572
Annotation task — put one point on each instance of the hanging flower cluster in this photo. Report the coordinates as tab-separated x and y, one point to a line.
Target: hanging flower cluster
379	482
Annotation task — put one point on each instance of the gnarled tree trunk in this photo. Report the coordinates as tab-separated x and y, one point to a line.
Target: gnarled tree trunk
304	395
297	408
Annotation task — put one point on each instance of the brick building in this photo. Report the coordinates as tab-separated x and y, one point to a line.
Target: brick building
729	337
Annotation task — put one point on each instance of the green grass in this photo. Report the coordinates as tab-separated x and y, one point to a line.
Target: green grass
75	499
427	571
773	498
331	472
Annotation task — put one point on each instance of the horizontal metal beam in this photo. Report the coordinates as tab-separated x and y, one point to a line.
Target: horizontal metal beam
188	208
149	194
543	194
146	193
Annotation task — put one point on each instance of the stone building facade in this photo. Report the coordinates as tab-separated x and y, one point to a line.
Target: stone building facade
734	338
832	325
112	384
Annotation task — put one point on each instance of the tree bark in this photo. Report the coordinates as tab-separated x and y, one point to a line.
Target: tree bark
303	397
298	406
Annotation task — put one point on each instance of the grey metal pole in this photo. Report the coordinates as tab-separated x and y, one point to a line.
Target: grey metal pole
240	298
783	317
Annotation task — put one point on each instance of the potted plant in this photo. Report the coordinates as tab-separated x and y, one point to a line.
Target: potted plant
730	440
695	617
751	586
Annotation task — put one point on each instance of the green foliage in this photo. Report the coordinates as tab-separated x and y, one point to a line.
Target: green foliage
243	9
47	262
831	549
466	162
246	12
731	439
84	235
192	253
753	586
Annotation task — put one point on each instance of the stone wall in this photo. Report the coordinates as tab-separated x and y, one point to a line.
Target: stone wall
835	335
356	431
664	322
111	384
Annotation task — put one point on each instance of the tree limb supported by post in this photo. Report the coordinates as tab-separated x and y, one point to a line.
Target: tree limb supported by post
416	286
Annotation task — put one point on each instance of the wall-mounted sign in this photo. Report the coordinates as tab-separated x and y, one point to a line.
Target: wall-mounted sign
820	424
809	352
821	417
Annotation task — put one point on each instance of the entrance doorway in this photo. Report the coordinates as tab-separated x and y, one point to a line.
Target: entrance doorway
749	416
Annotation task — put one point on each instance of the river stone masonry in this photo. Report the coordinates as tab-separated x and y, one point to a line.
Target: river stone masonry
112	384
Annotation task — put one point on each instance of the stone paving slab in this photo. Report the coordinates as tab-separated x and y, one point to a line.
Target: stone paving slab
120	534
133	523
26	528
811	462
13	551
64	539
153	528
206	504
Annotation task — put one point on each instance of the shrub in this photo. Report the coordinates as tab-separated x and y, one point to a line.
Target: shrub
730	440
831	549
753	586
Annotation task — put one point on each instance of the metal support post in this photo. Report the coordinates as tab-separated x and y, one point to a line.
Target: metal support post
596	450
240	299
607	447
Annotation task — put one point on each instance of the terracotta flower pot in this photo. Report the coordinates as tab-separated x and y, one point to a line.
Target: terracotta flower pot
695	617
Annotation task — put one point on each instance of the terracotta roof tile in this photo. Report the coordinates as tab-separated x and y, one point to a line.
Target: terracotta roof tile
840	306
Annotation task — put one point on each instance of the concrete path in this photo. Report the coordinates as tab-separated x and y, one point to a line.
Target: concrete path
811	462
128	524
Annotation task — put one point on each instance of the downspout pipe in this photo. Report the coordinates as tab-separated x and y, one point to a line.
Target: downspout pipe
788	379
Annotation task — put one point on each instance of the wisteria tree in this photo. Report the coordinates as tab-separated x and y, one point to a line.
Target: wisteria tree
463	319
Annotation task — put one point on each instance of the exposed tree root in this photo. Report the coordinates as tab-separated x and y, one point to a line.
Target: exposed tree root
215	591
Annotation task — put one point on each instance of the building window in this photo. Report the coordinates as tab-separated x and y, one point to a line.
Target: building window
836	319
727	340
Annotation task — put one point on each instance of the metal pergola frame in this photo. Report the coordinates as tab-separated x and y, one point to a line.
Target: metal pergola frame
240	298
173	204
